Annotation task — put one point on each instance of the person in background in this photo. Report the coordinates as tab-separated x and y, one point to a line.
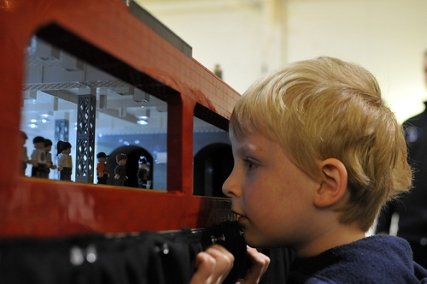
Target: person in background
317	153
411	209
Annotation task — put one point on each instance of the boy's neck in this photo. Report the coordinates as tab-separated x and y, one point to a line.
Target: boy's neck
339	235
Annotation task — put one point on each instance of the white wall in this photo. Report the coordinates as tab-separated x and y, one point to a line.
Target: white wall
388	37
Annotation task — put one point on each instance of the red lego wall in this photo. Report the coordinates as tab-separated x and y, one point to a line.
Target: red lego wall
31	207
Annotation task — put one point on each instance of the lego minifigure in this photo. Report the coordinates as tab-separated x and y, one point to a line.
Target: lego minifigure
143	173
120	170
49	163
25	160
38	158
218	71
101	168
65	162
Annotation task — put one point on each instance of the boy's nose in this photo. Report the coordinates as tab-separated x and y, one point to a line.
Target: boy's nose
229	188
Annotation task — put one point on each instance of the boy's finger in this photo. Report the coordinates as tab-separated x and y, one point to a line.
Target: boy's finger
213	265
259	265
224	261
205	265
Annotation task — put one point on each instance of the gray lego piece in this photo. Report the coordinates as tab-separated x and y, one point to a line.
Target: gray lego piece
160	28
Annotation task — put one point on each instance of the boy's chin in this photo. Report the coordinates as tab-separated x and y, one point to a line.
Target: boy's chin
252	240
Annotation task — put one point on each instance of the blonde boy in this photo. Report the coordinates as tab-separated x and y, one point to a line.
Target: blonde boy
317	153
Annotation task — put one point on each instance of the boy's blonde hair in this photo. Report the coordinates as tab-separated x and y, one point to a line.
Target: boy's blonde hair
327	108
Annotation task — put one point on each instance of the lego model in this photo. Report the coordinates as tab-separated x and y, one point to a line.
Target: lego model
120	170
24	160
143	173
120	41
218	71
49	164
38	158
65	163
101	168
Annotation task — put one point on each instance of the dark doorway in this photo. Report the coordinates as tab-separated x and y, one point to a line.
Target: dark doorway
212	166
133	152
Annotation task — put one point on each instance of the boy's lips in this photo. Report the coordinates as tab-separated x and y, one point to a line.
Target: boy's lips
237	215
241	218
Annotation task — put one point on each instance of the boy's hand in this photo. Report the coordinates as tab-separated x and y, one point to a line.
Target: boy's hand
259	265
213	265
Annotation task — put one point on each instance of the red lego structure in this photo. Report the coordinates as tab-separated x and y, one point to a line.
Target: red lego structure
98	30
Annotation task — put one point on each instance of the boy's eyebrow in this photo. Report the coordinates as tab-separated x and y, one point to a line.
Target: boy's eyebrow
247	148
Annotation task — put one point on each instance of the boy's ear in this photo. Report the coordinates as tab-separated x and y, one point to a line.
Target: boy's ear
333	185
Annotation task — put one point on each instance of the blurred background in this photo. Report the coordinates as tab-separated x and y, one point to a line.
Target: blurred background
249	38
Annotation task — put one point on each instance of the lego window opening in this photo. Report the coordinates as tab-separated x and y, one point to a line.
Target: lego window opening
77	93
213	158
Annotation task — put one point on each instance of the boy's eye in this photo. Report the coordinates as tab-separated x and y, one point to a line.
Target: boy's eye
249	163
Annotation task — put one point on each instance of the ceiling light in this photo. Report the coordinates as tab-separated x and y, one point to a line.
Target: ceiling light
142	121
